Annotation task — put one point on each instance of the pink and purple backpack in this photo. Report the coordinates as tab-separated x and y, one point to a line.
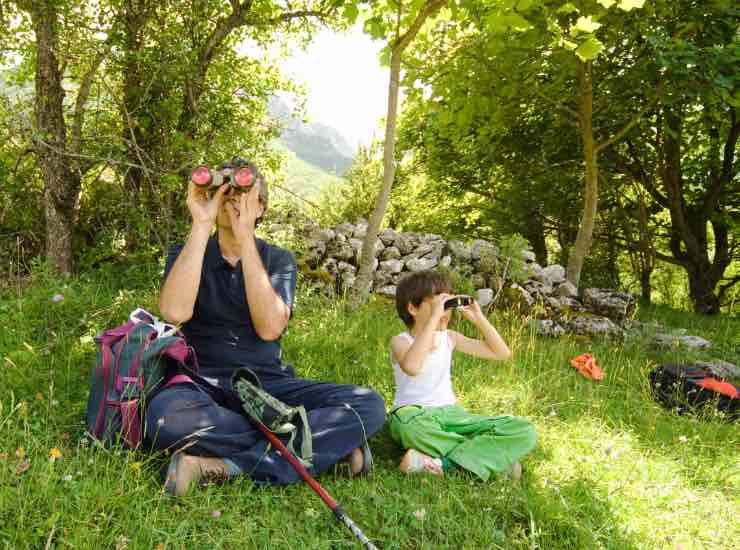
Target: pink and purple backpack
134	360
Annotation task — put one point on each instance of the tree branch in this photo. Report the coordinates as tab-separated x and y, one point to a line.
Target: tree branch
575	116
627	127
725	177
428	10
724	288
82	96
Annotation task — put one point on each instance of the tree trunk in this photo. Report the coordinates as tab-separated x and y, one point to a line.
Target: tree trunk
580	249
689	225
361	288
646	288
534	231
701	291
61	184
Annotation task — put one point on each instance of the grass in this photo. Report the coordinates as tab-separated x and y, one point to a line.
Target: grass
611	470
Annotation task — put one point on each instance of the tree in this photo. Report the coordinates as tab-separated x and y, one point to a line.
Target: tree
402	20
57	143
169	90
685	155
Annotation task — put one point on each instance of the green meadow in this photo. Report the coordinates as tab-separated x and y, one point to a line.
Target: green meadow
612	469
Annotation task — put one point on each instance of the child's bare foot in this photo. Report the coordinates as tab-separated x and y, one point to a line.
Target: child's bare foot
515	473
414	462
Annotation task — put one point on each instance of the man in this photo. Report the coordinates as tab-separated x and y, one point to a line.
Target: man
233	294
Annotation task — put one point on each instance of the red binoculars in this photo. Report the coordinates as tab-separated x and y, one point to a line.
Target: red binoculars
240	178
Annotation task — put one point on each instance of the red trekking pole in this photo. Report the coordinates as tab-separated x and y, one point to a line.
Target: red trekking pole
340	514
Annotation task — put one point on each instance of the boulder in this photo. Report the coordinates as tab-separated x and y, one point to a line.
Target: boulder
330	266
446	261
610	303
680	342
344	267
314	255
484	296
356	244
388	236
405	243
392	266
388	290
566	289
422	250
360	229
340	250
382	278
318	234
528	256
535	271
537	289
346	229
548	327
552	275
420	264
592	325
518	296
568	304
390	253
480	249
459	251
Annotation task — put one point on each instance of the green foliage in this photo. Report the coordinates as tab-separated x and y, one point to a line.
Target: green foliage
353	197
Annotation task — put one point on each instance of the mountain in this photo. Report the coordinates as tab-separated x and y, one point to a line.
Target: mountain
315	143
303	178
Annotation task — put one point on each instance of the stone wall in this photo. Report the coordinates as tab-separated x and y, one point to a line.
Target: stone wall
332	258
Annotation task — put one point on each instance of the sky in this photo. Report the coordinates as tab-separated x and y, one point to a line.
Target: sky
346	86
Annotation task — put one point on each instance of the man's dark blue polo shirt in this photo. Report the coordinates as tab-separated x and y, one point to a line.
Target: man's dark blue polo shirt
221	329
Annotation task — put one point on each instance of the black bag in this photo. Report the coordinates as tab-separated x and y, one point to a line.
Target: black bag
692	388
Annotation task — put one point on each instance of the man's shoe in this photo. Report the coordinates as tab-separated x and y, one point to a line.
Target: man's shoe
185	470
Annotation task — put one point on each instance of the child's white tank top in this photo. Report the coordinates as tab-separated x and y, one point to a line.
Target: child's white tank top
432	387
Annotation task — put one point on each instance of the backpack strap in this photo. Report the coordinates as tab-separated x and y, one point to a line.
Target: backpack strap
269	411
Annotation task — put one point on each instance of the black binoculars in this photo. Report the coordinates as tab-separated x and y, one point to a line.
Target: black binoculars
458	301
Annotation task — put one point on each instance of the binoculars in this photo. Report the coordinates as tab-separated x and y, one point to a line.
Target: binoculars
458	301
241	178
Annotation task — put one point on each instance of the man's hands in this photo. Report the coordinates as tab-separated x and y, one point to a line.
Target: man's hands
202	209
244	213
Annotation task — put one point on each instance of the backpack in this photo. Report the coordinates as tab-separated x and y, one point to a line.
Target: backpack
133	361
689	388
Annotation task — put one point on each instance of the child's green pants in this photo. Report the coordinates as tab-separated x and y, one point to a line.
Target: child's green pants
480	444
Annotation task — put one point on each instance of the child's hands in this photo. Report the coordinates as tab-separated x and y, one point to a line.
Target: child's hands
472	313
438	305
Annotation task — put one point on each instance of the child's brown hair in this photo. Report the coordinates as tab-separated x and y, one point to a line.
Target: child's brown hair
415	287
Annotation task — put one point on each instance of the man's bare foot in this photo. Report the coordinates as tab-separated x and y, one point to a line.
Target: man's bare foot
186	470
356	461
414	462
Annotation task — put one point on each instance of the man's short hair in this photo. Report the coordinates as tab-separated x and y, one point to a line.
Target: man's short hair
238	162
414	288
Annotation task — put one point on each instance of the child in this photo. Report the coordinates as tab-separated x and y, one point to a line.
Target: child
425	419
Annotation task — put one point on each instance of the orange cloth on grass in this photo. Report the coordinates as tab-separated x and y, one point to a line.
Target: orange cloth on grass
725	388
586	365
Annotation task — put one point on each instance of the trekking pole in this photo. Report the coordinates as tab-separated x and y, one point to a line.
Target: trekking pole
339	513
